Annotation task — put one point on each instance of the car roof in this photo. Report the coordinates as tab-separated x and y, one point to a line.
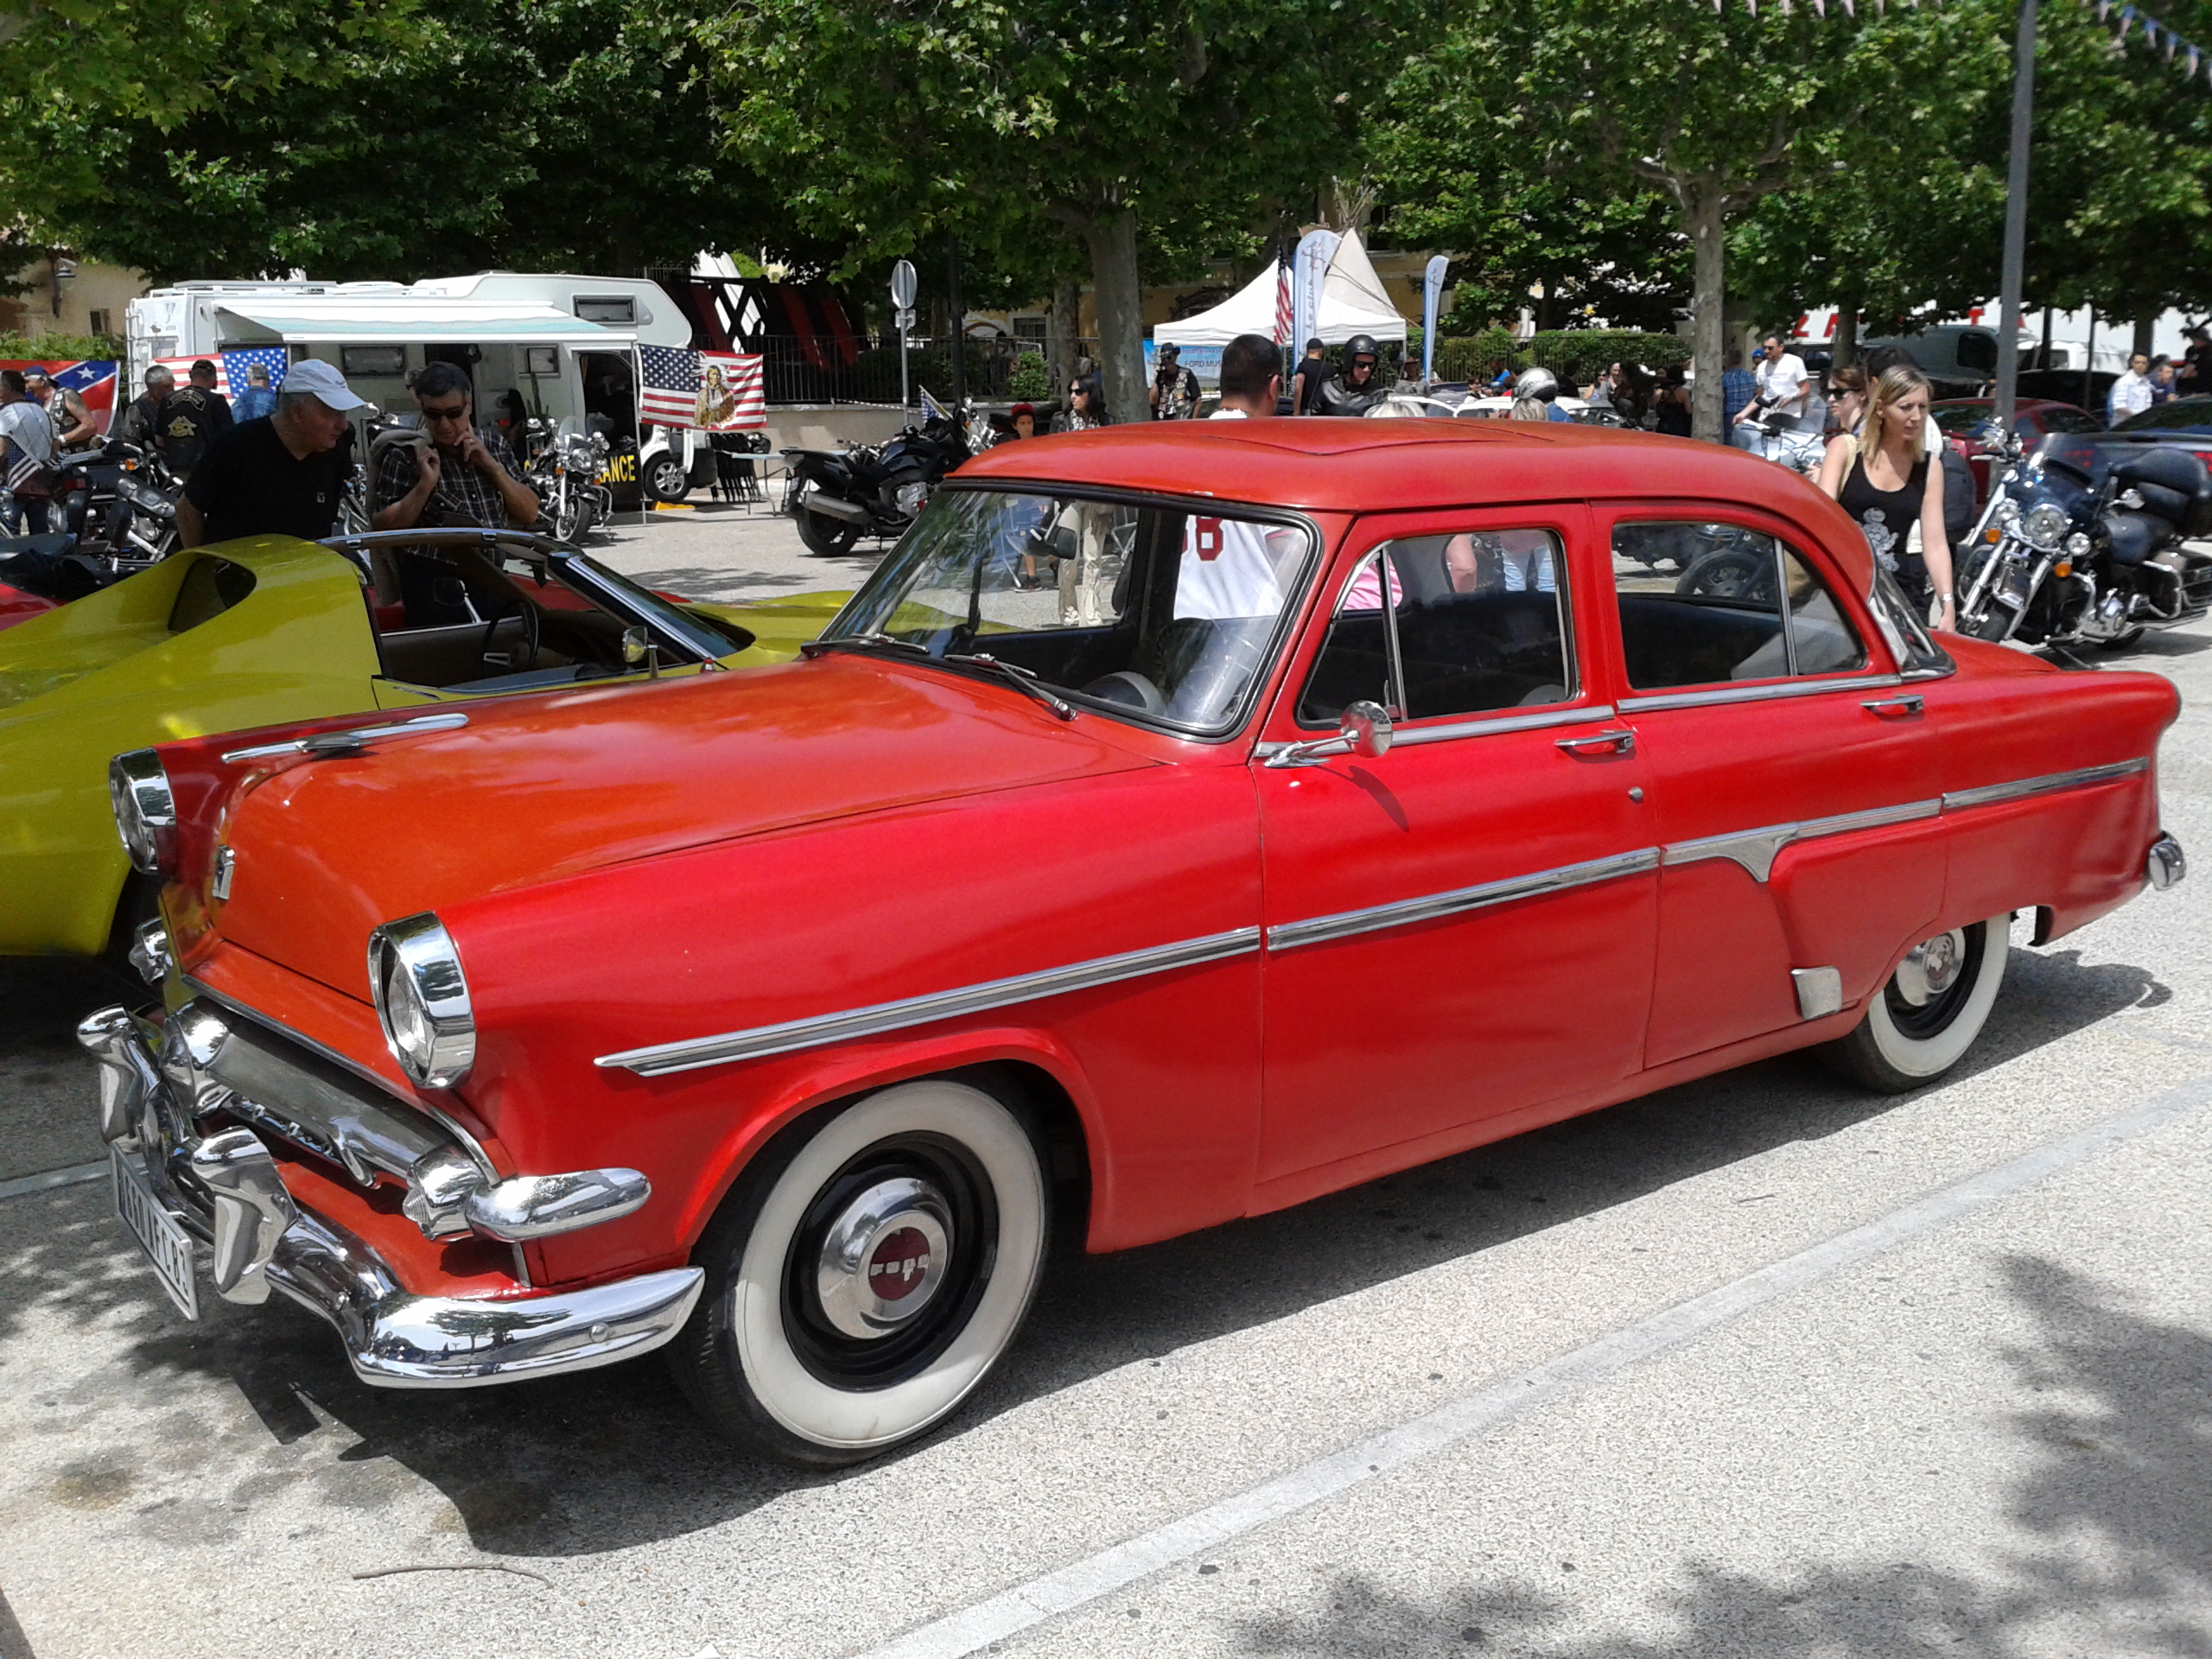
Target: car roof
1324	464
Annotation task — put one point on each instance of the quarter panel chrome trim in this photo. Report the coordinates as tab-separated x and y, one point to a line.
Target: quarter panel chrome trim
1317	930
760	1041
1535	722
1756	849
2048	783
1649	702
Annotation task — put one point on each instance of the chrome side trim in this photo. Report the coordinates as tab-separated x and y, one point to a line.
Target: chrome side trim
2048	783
1317	930
350	739
1536	722
1721	694
1756	849
686	1055
1820	991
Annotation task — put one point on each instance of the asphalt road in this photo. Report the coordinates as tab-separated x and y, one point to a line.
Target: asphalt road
1759	1366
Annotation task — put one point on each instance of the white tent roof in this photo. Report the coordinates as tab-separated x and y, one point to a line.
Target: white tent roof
1352	303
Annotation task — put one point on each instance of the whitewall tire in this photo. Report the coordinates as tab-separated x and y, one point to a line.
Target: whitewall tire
1922	1022
867	1272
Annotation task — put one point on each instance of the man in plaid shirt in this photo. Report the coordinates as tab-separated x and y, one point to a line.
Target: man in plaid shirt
463	476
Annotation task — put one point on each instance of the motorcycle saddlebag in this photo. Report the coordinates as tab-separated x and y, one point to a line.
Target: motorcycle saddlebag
2173	484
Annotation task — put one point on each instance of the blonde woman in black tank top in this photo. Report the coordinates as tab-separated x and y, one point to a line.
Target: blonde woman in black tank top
1882	477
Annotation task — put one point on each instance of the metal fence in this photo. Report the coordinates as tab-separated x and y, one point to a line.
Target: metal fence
864	369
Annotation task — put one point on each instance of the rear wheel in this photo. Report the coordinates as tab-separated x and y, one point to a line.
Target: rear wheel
832	537
1923	1021
866	1273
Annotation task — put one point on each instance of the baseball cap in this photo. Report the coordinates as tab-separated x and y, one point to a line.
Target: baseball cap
322	382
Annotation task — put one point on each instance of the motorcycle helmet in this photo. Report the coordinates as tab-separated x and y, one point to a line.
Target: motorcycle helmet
1540	383
1360	346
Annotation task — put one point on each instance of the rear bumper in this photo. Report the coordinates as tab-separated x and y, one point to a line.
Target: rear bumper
250	1236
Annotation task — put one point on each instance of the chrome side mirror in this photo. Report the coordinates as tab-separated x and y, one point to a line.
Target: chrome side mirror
1366	727
638	650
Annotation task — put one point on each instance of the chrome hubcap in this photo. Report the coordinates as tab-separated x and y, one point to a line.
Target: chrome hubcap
884	1259
1931	967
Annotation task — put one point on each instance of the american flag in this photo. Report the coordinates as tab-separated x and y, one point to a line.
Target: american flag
232	366
671	393
1285	316
181	368
670	397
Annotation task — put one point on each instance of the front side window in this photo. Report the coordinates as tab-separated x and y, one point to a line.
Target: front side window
1708	604
1475	621
1141	609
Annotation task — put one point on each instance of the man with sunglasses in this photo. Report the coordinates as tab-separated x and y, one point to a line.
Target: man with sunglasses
461	476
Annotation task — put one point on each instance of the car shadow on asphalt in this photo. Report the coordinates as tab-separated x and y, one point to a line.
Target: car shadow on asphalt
2109	1516
614	1458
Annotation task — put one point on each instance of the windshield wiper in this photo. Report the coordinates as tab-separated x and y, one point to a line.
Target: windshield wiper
885	641
1022	679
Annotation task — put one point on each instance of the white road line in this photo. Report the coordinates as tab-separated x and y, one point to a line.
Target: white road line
47	1181
1068	1587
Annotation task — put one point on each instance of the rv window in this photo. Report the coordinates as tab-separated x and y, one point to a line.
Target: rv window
620	308
373	360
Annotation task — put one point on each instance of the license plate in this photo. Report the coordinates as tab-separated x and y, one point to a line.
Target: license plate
168	1246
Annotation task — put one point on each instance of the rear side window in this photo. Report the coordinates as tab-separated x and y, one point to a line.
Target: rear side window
209	588
1475	621
1709	604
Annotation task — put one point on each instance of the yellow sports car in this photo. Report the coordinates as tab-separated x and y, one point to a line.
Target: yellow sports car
271	630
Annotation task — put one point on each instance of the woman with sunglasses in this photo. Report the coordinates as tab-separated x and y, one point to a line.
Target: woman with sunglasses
1086	406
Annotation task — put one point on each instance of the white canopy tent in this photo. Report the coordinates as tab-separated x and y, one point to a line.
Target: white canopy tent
1353	302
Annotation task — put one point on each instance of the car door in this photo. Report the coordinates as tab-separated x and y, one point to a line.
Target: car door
1793	773
1462	927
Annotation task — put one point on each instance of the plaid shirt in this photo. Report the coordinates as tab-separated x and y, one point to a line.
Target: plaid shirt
463	495
1737	387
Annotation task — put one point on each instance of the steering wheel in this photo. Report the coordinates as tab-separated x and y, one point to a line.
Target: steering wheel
530	635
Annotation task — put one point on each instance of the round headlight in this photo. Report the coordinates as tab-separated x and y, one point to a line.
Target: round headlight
2077	546
2045	524
2008	510
145	809
423	1000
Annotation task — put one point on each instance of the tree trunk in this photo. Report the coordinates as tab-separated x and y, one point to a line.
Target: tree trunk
1112	238
1702	222
1846	328
1063	329
2146	332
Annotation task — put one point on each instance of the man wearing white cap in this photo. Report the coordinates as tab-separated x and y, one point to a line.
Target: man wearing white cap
281	475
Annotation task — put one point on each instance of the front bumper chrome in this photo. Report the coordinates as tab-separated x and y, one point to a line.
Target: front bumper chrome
225	1189
2164	866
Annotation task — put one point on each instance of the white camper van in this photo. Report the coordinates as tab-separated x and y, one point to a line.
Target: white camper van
565	345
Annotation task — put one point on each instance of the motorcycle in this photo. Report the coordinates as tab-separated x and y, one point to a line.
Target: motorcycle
117	515
563	469
2080	544
1800	451
837	497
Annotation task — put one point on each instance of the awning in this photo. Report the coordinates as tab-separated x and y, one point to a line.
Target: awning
308	319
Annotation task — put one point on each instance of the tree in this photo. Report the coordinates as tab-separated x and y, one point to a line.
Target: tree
530	134
1052	129
1714	108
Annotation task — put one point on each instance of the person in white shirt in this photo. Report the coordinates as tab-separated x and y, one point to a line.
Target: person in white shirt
24	425
1233	567
2132	393
1783	388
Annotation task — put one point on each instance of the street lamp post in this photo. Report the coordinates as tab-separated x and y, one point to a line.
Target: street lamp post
2016	218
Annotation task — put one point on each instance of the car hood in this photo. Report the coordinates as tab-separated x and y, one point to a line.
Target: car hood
544	788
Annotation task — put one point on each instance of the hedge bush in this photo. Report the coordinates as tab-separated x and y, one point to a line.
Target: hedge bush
1572	354
58	348
1031	382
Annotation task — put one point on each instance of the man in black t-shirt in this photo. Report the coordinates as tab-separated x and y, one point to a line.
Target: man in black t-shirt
193	421
281	475
1312	372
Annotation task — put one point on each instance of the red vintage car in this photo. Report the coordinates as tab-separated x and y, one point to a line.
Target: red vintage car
1354	792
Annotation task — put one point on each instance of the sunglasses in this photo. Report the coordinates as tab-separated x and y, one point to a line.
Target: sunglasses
454	414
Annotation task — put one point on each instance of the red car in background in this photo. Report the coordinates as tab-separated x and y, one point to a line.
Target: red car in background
2033	419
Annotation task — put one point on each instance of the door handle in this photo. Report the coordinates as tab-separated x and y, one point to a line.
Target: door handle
1620	741
1897	708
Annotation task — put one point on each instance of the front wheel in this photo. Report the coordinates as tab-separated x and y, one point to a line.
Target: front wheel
1994	624
1923	1021
665	480
863	1277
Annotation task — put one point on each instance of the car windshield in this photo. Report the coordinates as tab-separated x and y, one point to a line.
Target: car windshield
1961	419
1149	611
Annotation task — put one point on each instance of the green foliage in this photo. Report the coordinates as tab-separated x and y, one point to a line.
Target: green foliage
59	348
1574	355
1030	382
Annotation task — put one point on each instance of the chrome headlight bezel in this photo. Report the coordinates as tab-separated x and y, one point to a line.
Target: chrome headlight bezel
2043	526
145	809
421	1000
2006	512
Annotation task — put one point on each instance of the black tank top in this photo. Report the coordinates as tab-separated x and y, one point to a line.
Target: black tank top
1885	516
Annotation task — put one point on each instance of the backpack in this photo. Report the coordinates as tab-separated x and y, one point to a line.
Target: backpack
1959	508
